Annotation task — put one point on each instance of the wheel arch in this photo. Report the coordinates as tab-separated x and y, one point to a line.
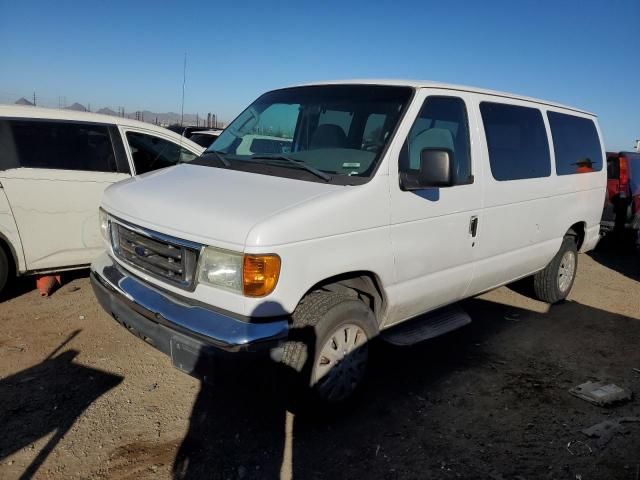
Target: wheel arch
364	285
11	253
577	230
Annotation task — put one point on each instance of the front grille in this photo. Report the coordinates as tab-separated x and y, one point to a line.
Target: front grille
166	258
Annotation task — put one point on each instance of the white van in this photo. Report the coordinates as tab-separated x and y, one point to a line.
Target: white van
54	166
389	200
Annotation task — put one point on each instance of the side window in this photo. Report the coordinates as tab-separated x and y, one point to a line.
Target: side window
442	123
517	141
56	145
575	143
152	153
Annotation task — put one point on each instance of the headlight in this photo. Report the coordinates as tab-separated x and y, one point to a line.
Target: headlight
221	268
252	275
103	218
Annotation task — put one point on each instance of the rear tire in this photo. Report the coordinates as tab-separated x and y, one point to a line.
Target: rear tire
327	351
553	284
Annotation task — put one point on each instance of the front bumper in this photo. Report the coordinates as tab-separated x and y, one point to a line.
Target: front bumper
192	334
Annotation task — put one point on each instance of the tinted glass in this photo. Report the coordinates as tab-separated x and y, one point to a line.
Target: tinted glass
56	144
575	143
151	153
340	130
442	124
202	139
517	141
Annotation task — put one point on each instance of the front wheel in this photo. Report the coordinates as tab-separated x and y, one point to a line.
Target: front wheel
4	269
328	346
554	283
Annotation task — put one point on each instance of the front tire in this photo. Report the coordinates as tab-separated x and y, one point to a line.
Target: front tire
328	347
553	284
4	269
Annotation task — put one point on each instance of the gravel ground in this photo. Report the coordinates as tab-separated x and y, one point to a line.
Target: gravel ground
82	398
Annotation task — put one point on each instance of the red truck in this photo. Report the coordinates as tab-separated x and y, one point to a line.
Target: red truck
622	205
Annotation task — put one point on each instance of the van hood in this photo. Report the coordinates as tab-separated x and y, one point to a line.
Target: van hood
206	204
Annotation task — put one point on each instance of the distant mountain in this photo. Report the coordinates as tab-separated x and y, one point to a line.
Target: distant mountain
23	101
77	107
107	111
169	118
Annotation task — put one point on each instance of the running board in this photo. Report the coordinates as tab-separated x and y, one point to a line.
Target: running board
427	326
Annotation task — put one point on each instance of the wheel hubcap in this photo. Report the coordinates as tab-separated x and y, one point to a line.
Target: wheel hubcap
341	364
566	271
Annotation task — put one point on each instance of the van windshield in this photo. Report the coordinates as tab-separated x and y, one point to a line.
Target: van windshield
331	133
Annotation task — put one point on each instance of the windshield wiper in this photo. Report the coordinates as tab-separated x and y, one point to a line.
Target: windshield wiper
298	163
217	154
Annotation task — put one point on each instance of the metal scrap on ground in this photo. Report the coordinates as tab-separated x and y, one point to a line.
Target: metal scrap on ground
601	394
604	431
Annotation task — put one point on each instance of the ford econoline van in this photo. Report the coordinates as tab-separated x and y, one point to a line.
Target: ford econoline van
54	166
383	201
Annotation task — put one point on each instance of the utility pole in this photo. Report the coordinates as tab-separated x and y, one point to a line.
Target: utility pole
184	80
34	99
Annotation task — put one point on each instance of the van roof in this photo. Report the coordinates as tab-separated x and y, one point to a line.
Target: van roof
446	86
26	111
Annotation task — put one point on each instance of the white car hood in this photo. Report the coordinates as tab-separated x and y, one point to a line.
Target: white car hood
208	205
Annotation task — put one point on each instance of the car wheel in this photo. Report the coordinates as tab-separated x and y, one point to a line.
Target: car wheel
554	283
328	345
4	269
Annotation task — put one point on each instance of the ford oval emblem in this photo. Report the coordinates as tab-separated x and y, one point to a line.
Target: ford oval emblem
140	251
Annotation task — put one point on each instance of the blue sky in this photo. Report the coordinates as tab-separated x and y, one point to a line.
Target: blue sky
582	53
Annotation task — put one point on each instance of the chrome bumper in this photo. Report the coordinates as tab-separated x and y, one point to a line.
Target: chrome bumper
178	326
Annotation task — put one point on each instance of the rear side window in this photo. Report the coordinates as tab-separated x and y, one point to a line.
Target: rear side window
517	141
575	143
151	153
56	145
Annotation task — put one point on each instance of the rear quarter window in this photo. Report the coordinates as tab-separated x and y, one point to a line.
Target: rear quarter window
516	140
59	145
575	143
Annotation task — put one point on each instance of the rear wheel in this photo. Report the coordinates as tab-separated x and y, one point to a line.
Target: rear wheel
554	283
328	346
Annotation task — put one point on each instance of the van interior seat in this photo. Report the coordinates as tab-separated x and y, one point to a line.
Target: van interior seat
328	135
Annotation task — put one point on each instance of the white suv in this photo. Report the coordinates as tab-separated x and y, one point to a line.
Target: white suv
388	200
54	166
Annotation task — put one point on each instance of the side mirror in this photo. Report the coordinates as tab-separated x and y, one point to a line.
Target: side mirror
436	170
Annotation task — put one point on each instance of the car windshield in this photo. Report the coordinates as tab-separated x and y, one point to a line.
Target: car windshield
330	133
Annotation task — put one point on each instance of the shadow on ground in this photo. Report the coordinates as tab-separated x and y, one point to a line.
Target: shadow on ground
489	400
619	254
20	285
46	399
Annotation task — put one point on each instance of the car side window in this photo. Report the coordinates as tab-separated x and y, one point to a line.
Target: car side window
575	143
152	153
442	123
516	140
56	145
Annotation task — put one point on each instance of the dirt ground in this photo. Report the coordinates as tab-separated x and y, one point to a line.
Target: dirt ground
80	397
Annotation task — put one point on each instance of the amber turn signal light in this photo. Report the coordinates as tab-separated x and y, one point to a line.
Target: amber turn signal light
260	274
